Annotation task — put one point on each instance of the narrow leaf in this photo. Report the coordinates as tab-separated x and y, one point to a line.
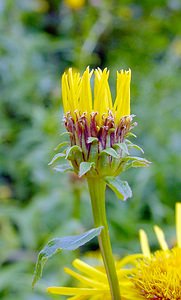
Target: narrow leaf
119	187
85	167
64	243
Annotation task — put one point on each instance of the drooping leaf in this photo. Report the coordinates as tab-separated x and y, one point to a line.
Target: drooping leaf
111	152
85	167
64	243
119	187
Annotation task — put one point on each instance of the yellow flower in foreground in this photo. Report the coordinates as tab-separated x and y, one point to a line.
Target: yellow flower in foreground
93	283
151	275
158	275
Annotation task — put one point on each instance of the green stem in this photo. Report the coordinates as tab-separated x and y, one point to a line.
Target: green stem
76	202
97	189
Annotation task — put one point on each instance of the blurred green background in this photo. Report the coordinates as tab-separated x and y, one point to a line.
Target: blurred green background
38	40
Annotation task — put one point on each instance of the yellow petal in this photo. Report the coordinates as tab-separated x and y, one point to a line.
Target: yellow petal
161	238
90	271
178	223
68	291
144	243
85	280
122	101
85	104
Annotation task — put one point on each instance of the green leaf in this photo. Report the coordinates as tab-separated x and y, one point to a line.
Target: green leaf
85	167
119	187
56	157
92	139
64	243
72	150
111	152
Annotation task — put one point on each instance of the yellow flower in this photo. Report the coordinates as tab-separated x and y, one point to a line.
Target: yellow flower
94	122
149	276
93	283
158	275
75	4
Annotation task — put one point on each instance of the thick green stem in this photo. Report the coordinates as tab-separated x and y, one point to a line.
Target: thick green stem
97	192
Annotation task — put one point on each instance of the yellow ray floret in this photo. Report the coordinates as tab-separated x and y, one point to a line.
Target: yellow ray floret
144	243
93	283
178	223
77	94
158	275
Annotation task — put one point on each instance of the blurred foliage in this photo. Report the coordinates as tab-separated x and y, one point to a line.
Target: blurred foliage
38	40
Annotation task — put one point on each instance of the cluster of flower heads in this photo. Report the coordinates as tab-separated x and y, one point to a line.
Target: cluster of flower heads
151	276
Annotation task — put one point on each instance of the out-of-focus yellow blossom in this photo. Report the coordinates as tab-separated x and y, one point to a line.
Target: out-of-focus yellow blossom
75	4
158	274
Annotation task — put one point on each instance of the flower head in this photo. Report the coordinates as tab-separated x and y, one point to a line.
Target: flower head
151	276
92	282
158	274
97	126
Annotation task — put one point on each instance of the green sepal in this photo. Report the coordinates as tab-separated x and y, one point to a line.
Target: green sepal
85	167
62	144
123	147
131	134
131	145
64	243
92	139
70	153
66	133
119	187
63	168
56	157
136	162
111	152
